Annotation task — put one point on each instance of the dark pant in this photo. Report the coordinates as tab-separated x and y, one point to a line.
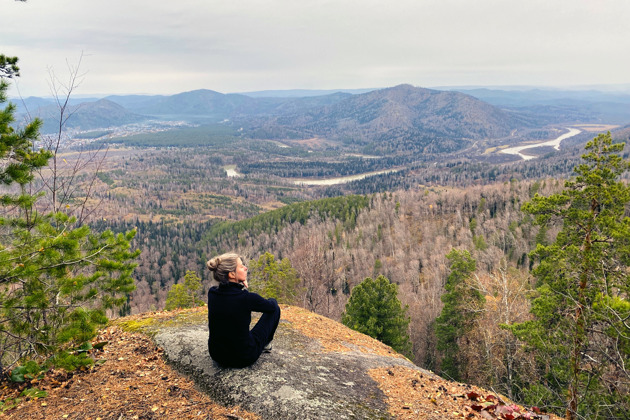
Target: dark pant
265	328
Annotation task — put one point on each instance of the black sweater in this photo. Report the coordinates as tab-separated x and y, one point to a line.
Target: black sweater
230	309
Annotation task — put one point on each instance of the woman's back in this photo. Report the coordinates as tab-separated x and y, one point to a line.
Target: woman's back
229	315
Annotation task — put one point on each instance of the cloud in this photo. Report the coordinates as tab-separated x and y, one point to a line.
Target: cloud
243	45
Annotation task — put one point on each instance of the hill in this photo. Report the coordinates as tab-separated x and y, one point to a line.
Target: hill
204	104
87	115
301	93
318	369
398	116
398	119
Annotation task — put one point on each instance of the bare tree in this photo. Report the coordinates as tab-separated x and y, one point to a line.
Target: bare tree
70	181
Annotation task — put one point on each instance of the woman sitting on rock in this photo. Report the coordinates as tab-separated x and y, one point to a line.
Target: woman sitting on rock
230	307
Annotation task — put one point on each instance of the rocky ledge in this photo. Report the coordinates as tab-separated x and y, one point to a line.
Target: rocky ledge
317	369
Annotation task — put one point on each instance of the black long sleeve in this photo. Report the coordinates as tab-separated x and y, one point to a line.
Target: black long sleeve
229	316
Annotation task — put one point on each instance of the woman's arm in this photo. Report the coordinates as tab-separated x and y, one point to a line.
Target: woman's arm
258	303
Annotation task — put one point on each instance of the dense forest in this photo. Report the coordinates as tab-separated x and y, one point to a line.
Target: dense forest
405	227
335	244
463	230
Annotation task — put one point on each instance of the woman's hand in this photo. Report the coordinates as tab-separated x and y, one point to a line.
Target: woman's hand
245	284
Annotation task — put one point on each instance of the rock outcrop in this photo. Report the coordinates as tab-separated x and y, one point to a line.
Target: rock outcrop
317	369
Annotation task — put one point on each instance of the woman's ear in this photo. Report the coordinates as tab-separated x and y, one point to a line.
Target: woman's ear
231	275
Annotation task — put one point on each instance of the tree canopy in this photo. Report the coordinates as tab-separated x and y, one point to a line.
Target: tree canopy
455	319
185	294
375	310
58	279
579	331
274	279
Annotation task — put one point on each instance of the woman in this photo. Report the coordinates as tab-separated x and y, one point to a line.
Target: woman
230	307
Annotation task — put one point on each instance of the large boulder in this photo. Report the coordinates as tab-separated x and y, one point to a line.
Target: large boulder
318	369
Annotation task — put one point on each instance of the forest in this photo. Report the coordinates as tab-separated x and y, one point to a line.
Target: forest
406	231
512	274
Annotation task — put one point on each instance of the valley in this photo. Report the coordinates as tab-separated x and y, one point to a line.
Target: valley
254	175
391	182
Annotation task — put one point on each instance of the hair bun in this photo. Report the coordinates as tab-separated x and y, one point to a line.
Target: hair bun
213	264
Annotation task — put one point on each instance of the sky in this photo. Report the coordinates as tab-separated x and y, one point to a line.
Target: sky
167	47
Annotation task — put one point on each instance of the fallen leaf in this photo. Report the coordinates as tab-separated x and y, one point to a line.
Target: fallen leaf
473	396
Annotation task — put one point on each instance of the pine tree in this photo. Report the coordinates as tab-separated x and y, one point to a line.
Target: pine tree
274	279
374	309
580	332
455	320
57	278
185	294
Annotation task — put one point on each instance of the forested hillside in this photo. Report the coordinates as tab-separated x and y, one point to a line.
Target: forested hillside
443	220
404	235
397	118
414	238
101	113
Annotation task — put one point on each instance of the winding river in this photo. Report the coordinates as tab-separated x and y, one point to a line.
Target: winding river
516	150
343	179
555	143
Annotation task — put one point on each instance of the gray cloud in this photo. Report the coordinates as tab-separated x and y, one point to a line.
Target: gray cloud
143	46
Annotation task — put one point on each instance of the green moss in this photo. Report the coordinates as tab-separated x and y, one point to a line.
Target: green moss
151	325
186	318
140	325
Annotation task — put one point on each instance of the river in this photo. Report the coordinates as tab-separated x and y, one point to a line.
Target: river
230	170
555	143
343	179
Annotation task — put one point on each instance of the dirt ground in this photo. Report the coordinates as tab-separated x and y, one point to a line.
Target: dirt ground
132	381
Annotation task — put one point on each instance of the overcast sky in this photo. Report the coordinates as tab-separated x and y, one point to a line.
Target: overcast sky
166	47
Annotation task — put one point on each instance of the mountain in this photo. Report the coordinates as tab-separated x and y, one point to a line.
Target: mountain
217	106
203	102
391	119
365	116
560	106
30	104
401	114
132	102
301	93
87	115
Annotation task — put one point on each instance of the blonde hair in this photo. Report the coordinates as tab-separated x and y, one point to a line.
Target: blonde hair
222	265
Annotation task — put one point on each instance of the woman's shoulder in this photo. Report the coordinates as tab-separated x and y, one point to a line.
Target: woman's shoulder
253	296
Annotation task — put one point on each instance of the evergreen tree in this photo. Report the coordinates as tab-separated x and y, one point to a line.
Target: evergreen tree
455	320
374	309
57	278
274	279
580	332
186	294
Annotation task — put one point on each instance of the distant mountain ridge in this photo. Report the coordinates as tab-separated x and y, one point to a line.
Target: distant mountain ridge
400	114
302	93
560	105
394	117
84	116
218	106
